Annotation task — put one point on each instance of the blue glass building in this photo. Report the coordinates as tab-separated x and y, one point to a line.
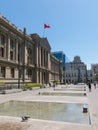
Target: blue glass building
62	57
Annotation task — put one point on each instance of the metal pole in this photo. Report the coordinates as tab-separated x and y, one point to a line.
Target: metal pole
24	56
78	75
54	71
59	71
86	77
19	68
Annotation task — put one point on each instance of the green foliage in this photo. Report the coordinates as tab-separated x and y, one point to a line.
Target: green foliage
33	85
62	83
24	89
2	83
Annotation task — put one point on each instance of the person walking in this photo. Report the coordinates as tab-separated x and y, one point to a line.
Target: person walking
54	84
95	85
49	84
89	86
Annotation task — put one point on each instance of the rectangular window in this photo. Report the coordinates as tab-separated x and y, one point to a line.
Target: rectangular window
11	55
1	52
29	57
29	72
2	39
12	44
2	71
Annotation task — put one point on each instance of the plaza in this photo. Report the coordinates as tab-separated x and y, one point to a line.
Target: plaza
14	123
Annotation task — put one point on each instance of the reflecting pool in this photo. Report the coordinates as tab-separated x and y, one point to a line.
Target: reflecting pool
70	89
62	94
66	112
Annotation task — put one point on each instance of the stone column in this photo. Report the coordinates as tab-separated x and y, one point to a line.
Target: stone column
46	59
49	65
8	49
8	72
16	51
5	49
16	73
0	72
43	56
0	36
41	76
39	56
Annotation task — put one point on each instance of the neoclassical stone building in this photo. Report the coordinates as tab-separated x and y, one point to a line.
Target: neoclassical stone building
42	58
94	68
56	69
24	58
75	71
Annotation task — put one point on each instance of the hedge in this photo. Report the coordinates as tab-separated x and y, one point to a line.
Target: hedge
32	85
1	82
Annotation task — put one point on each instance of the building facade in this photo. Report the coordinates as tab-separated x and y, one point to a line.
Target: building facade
90	76
75	71
42	58
56	69
62	58
94	68
24	58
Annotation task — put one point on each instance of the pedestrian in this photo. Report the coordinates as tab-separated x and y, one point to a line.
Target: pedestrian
49	84
89	86
95	85
54	84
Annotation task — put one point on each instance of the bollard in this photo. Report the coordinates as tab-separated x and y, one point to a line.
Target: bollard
85	109
84	94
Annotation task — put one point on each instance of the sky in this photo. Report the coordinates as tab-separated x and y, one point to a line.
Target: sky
74	24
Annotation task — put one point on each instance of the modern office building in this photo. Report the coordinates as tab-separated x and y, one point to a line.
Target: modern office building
76	71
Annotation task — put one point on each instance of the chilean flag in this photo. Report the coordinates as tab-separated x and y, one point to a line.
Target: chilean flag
46	26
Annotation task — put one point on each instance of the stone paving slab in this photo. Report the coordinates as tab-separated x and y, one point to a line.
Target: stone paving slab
93	106
12	123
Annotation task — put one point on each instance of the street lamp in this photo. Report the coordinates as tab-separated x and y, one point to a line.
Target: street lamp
54	71
24	42
60	73
95	74
19	56
79	78
86	77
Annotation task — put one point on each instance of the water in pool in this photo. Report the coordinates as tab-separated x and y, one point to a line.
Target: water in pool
66	112
62	94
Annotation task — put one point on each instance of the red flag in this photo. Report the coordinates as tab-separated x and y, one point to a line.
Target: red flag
46	26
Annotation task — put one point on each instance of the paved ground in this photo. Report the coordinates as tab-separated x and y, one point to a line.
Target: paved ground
14	123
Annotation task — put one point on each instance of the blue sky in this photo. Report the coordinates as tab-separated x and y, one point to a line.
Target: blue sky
74	24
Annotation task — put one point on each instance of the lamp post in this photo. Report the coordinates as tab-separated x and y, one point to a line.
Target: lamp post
24	55
54	71
60	74
95	74
19	67
79	78
86	77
